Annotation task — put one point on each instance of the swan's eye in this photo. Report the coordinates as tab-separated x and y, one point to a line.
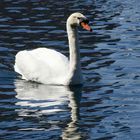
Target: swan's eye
80	19
83	20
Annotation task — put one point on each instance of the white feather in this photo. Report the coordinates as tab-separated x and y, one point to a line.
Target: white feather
42	65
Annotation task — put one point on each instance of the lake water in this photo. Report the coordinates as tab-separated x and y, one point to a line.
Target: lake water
107	107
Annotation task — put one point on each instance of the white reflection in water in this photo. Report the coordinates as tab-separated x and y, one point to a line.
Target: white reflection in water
39	95
50	100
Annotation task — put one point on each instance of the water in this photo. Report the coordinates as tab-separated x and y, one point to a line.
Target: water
107	107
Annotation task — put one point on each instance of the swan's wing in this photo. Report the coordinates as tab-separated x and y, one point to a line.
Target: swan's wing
42	65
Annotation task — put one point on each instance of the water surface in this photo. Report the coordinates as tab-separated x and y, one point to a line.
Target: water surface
107	107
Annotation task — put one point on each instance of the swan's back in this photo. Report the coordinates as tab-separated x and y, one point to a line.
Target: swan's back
42	65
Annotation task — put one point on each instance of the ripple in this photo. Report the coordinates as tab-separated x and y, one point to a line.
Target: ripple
107	106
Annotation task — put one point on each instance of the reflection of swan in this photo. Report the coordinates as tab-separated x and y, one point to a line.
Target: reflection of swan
51	67
72	129
39	95
49	100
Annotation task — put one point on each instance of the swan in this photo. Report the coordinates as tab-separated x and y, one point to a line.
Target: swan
48	66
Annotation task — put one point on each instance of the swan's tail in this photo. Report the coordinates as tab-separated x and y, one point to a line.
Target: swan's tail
18	71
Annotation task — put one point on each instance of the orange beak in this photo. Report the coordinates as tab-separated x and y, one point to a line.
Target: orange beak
86	26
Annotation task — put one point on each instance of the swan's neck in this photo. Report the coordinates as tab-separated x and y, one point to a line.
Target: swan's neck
75	66
74	49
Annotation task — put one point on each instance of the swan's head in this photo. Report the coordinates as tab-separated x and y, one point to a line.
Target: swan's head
78	19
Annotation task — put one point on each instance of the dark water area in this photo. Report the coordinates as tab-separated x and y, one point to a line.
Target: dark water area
107	107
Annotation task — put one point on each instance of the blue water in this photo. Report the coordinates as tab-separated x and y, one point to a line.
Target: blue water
107	106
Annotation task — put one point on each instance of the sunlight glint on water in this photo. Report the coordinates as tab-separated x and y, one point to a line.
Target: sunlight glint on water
108	104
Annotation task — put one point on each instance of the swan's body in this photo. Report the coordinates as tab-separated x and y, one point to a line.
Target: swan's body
51	67
35	66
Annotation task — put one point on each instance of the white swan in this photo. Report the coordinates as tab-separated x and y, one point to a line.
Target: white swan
48	66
